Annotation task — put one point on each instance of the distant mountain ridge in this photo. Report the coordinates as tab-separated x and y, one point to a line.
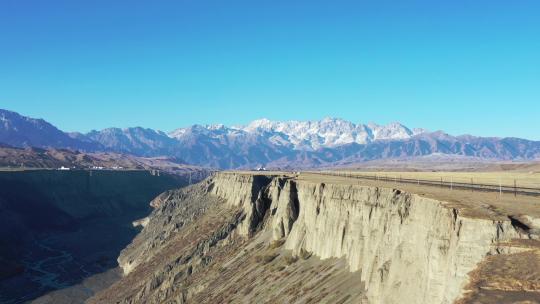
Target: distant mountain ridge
286	144
15	158
21	131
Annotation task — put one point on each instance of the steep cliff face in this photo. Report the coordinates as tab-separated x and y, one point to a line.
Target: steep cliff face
402	247
391	237
247	192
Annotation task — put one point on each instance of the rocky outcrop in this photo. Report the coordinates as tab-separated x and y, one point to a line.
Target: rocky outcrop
402	246
247	192
285	207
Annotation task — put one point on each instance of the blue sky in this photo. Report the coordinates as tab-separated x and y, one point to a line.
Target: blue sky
461	66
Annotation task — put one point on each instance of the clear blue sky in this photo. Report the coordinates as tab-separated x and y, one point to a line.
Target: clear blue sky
461	66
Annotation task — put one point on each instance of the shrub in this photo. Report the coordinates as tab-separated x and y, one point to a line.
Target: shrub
290	259
276	244
280	268
265	258
304	254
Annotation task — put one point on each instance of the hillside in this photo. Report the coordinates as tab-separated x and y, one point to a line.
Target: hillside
38	158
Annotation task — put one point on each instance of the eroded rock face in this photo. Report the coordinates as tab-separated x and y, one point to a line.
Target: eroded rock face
285	207
403	247
248	192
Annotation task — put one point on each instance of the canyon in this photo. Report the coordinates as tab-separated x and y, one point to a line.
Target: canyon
307	238
58	228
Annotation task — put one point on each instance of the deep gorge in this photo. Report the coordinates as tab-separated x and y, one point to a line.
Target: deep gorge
59	227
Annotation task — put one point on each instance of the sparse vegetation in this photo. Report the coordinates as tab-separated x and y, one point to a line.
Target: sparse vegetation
280	268
304	254
265	258
343	300
276	244
290	259
248	290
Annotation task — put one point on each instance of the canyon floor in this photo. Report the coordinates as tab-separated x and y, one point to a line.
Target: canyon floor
278	237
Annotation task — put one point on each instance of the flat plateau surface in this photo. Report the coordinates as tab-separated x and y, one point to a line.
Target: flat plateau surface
481	204
505	178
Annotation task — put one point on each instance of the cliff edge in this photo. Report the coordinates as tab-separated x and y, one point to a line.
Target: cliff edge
243	237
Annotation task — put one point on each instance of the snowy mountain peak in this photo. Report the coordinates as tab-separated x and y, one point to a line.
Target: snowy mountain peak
330	132
259	124
304	135
394	130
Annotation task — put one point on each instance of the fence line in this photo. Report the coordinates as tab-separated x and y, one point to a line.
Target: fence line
442	183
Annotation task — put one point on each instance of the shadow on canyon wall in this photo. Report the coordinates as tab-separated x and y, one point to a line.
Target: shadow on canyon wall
60	227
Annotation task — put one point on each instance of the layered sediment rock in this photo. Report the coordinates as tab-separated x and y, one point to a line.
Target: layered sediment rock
403	246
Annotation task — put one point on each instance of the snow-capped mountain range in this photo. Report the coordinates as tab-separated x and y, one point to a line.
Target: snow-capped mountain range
286	144
310	135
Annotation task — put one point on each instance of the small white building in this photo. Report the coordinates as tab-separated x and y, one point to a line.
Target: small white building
63	168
